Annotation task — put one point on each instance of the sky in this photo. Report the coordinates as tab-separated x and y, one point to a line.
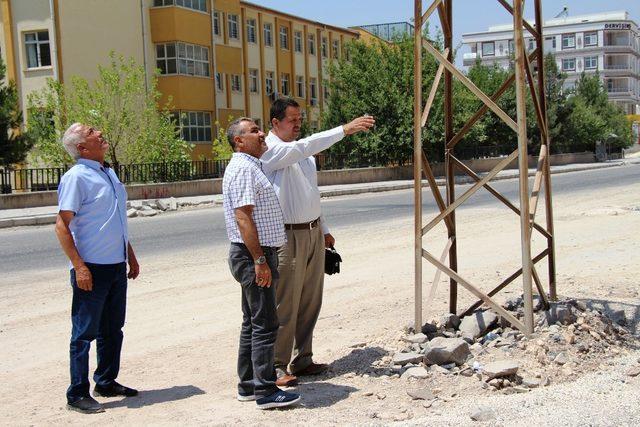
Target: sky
469	16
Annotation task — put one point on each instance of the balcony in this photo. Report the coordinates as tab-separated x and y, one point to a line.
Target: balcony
617	39
470	58
618	89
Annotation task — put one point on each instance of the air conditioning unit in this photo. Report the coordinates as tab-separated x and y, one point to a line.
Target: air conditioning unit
313	102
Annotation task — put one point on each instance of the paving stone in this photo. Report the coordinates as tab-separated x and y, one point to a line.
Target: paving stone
440	351
170	204
145	213
501	368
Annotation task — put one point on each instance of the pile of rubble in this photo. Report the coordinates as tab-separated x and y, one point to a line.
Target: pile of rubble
153	207
569	338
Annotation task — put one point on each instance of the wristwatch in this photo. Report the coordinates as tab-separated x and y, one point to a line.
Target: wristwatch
261	260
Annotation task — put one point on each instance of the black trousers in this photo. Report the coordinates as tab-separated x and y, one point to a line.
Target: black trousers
259	322
98	315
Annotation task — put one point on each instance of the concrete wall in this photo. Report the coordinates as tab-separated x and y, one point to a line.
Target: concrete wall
331	177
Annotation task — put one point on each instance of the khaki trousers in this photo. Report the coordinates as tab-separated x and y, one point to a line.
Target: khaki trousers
298	297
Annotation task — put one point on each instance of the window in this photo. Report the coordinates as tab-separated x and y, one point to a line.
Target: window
325	92
216	23
569	64
313	90
219	82
335	49
253	81
284	38
591	38
532	44
312	44
268	41
512	47
200	5
236	85
38	49
233	26
284	84
324	47
488	49
550	42
300	86
297	41
268	82
251	30
590	62
182	58
568	41
195	126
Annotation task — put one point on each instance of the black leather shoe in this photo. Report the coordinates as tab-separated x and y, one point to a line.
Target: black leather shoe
85	405
114	389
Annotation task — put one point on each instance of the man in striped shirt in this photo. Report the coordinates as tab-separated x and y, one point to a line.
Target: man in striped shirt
256	230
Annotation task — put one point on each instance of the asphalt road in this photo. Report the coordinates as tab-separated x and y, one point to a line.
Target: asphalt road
35	248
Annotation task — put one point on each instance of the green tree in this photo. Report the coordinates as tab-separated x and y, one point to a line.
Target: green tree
130	116
14	144
378	80
588	118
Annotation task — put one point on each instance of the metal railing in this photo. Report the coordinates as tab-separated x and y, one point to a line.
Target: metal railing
44	179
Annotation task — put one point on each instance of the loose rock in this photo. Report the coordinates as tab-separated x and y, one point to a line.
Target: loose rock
415	372
421	394
478	323
416	338
440	351
483	414
499	369
404	358
450	321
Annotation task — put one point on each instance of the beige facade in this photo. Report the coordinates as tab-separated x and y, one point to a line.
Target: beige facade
218	58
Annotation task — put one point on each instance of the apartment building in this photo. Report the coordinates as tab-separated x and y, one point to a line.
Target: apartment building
217	58
607	43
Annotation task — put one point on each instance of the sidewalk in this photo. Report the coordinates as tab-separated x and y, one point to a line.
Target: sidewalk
47	214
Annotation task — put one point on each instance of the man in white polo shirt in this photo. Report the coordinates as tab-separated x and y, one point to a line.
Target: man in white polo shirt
290	166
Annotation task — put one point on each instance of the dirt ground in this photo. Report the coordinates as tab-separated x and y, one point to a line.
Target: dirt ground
184	317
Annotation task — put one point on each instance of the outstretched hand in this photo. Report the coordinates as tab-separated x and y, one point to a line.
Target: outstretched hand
359	124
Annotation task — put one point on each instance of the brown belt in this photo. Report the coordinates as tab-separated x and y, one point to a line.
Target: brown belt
303	226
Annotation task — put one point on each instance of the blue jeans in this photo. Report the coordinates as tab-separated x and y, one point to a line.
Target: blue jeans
259	323
97	315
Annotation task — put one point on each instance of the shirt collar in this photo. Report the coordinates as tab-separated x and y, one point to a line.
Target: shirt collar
272	137
93	164
248	157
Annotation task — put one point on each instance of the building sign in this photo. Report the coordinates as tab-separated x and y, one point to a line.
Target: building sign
618	26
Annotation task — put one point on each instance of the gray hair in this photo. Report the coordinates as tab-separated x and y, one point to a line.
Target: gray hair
234	130
71	138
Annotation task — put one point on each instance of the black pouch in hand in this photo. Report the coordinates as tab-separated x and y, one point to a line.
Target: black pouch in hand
332	260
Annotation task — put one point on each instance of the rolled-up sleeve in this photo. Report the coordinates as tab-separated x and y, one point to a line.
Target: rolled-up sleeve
70	193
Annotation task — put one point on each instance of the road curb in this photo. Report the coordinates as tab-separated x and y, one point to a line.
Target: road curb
51	218
441	182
